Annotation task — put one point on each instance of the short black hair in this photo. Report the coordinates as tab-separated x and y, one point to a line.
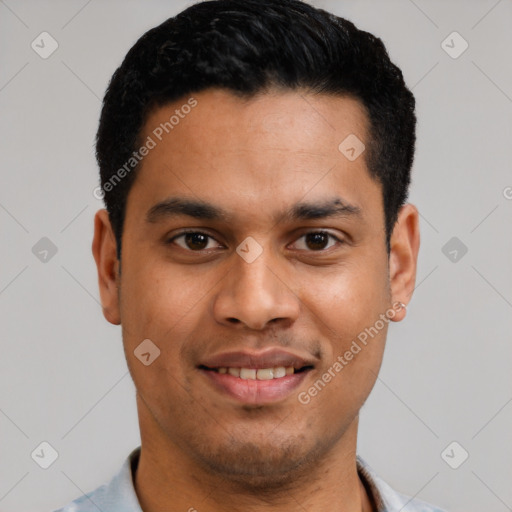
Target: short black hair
249	47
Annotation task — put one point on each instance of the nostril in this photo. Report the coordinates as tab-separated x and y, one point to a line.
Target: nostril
233	320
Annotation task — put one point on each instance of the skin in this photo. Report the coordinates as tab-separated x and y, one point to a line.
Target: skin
255	159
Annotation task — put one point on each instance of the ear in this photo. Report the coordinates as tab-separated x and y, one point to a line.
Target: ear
104	252
403	258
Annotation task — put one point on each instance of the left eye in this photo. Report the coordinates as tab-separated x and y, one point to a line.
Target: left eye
317	241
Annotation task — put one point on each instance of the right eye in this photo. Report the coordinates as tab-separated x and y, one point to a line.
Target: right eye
194	241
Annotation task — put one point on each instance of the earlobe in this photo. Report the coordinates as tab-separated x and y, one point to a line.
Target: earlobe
404	245
107	264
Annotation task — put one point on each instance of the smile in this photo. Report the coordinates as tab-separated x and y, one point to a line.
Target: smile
257	373
251	386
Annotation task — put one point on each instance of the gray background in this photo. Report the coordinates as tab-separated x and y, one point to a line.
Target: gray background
446	374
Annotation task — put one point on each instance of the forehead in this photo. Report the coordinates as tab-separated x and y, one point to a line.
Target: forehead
222	119
272	149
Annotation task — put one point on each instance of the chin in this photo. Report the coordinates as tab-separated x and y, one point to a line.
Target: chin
263	467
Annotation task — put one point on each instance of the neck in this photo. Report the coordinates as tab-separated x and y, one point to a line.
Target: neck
169	479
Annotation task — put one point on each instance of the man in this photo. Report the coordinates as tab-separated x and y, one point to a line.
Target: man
255	159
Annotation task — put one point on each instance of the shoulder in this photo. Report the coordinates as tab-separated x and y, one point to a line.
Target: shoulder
386	498
116	496
416	505
89	502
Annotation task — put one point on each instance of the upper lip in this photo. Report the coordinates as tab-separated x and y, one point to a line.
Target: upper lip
269	358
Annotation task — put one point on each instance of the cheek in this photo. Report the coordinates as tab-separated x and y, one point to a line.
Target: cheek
346	307
163	308
166	306
160	302
349	297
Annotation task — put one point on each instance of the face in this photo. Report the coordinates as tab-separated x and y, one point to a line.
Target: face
253	257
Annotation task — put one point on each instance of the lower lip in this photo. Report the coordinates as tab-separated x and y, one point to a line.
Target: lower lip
255	392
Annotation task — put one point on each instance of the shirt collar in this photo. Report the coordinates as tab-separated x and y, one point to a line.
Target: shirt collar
385	499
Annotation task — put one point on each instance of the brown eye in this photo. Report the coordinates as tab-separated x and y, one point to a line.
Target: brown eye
317	241
195	241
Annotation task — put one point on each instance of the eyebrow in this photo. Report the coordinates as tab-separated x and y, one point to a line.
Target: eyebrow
180	206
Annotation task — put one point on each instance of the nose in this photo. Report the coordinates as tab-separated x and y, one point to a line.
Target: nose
255	295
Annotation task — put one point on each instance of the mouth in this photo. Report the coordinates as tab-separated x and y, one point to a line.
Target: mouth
256	379
277	372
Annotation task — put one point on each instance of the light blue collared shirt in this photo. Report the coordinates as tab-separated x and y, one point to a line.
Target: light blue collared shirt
119	494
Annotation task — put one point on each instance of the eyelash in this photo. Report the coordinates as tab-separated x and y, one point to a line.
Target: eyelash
184	233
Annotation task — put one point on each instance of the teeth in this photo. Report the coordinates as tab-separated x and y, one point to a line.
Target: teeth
234	371
265	374
281	371
260	374
246	373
